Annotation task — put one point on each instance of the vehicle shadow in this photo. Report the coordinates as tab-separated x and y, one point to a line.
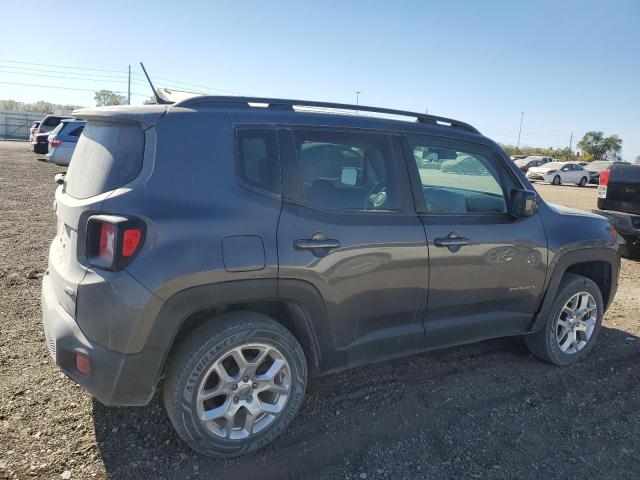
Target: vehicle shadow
487	410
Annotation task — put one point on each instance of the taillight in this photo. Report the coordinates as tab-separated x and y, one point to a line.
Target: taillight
603	182
113	241
55	142
41	131
107	242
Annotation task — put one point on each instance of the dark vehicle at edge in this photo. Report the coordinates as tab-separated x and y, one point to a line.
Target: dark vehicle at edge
619	201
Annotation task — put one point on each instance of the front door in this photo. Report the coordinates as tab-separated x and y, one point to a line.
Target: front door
348	227
487	269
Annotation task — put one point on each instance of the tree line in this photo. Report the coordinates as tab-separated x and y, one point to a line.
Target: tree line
594	145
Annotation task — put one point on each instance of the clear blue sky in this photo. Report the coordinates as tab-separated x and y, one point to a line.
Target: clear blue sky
569	65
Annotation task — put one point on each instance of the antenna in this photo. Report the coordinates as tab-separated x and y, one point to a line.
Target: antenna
159	99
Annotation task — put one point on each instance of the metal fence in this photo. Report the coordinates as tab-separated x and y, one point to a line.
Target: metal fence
15	125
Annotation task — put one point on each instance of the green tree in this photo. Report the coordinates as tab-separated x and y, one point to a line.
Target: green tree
595	146
107	97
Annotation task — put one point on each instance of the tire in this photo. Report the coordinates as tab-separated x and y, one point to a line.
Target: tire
583	181
207	350
544	343
556	180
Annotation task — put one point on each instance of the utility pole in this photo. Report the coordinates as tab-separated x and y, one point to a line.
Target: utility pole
357	100
520	131
570	145
129	88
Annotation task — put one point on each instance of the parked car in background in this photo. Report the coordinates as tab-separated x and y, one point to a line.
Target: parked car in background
33	129
619	201
40	143
43	127
558	173
310	245
526	163
63	140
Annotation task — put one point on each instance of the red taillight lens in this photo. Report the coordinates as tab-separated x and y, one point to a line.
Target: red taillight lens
130	241
107	242
55	142
604	177
41	131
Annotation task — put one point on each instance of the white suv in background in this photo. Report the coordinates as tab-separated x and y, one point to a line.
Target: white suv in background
558	173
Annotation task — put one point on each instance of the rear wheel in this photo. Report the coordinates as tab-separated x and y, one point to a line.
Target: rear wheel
583	181
234	384
556	180
573	324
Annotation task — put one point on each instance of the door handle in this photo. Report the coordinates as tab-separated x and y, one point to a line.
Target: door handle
311	244
451	242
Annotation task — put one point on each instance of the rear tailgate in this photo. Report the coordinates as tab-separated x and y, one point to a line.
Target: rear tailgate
622	193
108	155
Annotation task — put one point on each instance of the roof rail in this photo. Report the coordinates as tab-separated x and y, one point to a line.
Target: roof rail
284	104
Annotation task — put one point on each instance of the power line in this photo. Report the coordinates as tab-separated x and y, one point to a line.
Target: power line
189	84
124	80
66	88
62	66
47	70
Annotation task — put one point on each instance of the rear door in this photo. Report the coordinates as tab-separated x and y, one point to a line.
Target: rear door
486	269
348	228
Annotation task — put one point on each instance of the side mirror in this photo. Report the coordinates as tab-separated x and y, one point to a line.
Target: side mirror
348	176
522	203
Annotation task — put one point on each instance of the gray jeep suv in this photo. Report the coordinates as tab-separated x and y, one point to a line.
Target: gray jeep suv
303	242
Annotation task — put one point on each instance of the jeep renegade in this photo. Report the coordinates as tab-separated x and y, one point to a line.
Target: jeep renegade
299	243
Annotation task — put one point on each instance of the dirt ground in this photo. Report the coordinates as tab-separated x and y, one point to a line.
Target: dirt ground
488	411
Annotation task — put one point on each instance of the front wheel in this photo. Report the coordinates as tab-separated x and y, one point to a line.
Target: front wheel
573	324
556	180
583	181
234	384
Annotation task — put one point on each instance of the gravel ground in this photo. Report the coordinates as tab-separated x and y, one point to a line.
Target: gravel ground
488	410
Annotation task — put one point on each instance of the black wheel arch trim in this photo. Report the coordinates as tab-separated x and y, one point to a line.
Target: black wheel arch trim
559	266
185	303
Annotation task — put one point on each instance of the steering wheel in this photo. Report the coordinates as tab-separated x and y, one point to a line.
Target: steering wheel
377	195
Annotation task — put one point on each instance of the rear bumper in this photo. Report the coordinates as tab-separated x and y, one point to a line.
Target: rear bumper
116	378
40	148
626	224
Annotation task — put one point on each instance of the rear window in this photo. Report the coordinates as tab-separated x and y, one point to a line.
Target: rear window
51	121
73	129
108	155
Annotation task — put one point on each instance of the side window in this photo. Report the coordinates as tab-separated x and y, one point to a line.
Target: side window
457	180
347	171
258	160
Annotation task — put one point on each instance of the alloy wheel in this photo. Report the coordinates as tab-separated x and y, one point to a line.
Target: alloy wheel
576	322
244	391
